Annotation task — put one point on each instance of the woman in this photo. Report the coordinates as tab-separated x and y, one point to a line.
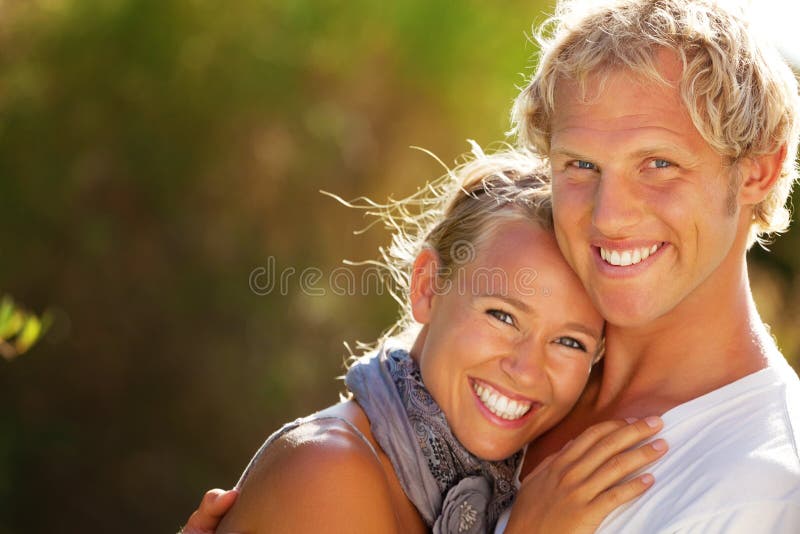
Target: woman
495	346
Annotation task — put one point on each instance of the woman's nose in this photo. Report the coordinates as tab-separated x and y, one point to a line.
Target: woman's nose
525	364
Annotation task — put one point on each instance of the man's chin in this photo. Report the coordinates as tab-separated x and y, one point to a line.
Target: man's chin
628	312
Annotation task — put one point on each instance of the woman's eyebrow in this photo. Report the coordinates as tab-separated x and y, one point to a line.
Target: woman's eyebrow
583	328
591	332
510	300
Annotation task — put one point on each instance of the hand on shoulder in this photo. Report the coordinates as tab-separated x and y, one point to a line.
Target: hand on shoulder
575	489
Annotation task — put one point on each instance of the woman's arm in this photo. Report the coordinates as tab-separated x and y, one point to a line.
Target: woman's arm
323	481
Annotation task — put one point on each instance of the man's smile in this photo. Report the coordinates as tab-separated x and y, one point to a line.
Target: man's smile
627	256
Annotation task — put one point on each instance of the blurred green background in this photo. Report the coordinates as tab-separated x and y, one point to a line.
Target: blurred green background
153	153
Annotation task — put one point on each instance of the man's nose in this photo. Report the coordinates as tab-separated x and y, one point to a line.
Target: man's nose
617	206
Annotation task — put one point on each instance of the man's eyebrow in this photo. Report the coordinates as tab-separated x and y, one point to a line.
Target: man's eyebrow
644	152
663	149
559	151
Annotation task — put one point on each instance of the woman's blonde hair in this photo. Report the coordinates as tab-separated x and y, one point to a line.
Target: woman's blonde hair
454	216
741	95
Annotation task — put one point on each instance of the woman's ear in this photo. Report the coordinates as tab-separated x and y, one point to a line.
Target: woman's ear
423	285
759	174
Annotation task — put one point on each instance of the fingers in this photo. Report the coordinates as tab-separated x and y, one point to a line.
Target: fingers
215	504
607	442
586	440
574	489
610	500
623	465
544	464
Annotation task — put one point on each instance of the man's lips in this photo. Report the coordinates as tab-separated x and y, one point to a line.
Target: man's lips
628	255
628	259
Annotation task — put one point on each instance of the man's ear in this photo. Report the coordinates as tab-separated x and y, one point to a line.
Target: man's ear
759	174
423	285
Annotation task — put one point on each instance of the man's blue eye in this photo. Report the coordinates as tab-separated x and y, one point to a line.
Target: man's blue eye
661	163
581	164
571	342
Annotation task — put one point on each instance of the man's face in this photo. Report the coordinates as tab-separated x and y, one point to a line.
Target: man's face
641	201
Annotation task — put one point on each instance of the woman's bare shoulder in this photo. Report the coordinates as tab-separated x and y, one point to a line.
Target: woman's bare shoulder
321	476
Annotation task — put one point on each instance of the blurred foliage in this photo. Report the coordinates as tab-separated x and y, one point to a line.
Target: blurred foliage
19	330
153	153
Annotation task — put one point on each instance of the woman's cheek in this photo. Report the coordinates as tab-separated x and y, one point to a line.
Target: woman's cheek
572	378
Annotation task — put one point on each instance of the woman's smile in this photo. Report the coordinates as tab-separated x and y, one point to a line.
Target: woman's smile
501	405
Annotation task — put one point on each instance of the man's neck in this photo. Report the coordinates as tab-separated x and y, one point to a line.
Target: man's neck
694	350
713	338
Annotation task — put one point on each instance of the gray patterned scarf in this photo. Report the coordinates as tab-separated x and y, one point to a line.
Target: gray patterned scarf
453	490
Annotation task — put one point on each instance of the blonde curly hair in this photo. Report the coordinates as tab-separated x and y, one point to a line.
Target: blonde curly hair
741	95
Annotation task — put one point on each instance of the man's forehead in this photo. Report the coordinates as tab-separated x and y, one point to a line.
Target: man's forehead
616	100
665	76
625	113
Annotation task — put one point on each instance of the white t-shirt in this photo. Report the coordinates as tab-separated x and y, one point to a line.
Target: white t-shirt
732	467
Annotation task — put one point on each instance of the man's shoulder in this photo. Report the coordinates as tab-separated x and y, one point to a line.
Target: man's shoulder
750	425
733	451
768	400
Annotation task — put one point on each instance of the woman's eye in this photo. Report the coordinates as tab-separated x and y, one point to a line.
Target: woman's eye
660	164
571	342
502	316
586	165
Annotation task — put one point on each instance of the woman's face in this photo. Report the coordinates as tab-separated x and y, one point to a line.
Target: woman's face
507	342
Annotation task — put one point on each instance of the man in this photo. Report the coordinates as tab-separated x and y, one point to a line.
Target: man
672	132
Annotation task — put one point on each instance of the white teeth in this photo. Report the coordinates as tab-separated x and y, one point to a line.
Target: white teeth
627	257
499	404
502	404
